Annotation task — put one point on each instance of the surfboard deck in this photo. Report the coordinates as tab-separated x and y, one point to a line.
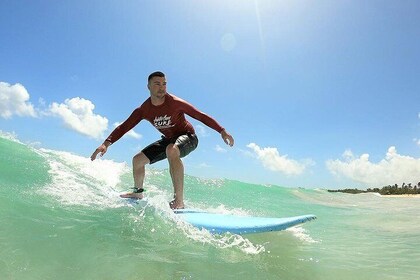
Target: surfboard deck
222	223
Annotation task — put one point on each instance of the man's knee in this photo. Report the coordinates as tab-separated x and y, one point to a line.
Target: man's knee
172	152
140	160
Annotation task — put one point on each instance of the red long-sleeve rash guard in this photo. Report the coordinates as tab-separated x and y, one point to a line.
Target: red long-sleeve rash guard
168	118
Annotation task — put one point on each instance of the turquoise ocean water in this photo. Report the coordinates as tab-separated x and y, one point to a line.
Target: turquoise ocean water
61	218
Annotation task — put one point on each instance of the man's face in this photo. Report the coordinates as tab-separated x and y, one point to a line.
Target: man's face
157	87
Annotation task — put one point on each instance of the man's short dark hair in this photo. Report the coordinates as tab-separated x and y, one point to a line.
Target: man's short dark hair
155	74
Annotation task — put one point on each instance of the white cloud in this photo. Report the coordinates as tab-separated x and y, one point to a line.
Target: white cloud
272	160
131	133
14	100
394	168
220	149
77	114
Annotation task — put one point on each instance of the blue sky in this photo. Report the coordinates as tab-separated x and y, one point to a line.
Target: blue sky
316	93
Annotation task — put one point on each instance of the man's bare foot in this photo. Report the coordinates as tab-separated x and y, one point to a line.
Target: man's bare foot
132	195
176	204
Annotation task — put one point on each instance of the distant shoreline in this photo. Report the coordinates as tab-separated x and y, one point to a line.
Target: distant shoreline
406	190
378	194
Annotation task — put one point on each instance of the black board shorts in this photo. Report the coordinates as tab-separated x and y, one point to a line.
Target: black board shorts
157	150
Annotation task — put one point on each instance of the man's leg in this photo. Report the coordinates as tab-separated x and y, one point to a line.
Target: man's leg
176	169
139	161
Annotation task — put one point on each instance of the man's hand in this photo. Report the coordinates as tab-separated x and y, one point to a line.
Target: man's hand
100	150
227	138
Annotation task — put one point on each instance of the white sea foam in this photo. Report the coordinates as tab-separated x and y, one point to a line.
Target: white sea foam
222	241
76	180
222	209
12	136
301	234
